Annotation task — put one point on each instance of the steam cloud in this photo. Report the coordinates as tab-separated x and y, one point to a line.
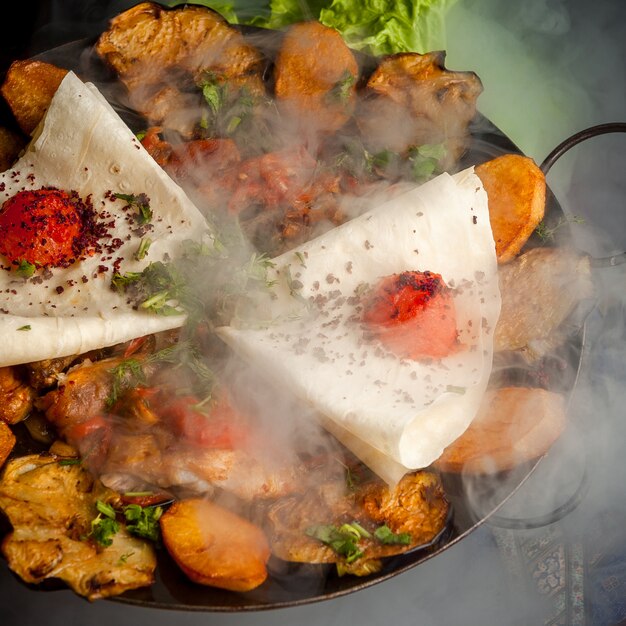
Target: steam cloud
566	66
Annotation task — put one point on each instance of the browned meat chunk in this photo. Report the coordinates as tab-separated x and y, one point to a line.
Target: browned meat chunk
414	100
540	288
16	397
416	505
315	77
161	55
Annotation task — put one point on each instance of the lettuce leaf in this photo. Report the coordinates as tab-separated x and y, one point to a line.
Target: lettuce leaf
388	26
374	26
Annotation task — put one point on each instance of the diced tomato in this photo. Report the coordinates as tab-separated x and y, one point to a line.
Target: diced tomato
42	227
92	438
413	314
157	148
134	345
219	427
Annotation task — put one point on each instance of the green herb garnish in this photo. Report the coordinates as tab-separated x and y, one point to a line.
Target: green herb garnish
25	327
25	269
385	535
342	540
140	202
64	462
340	91
144	246
456	389
143	521
546	233
104	526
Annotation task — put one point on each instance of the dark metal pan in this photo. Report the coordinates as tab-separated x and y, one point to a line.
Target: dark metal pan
296	584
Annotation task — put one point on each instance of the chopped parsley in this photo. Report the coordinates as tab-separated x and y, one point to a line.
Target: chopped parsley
25	327
143	521
139	202
25	269
344	540
104	526
140	521
385	535
340	91
142	251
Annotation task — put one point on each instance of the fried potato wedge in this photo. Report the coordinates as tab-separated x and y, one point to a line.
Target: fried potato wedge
214	546
513	425
516	189
7	441
28	89
315	76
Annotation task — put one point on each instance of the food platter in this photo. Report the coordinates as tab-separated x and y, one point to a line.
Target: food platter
473	501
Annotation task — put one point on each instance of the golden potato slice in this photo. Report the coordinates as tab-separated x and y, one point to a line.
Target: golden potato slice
28	89
214	546
315	76
7	441
516	189
513	425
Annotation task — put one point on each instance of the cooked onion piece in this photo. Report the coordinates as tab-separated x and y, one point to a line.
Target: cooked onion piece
50	506
7	441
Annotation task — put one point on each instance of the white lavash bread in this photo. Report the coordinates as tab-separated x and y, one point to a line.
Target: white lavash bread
83	145
395	414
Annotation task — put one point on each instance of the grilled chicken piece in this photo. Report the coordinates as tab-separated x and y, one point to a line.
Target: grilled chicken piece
416	505
161	54
540	289
315	77
421	102
140	461
16	397
81	395
28	89
50	507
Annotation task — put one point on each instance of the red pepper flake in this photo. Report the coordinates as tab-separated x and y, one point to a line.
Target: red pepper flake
60	289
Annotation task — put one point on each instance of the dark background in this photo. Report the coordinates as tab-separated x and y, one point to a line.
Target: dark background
470	583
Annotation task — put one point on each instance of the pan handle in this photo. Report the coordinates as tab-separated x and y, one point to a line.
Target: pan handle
570	142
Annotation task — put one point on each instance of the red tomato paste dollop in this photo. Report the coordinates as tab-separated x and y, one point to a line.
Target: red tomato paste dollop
413	314
44	227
